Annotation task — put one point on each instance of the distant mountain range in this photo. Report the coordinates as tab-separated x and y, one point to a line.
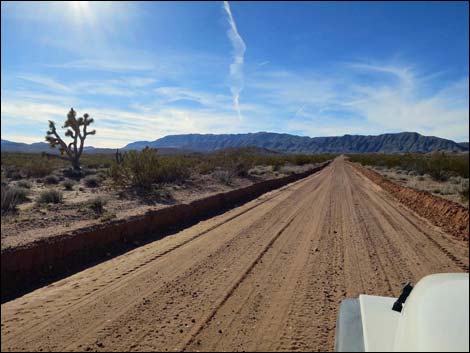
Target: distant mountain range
39	147
464	145
386	143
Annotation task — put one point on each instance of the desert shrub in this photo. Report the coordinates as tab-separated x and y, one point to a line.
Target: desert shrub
102	174
50	196
145	168
300	159
21	193
258	170
92	181
24	184
97	205
31	165
97	160
68	184
4	179
173	169
13	174
438	165
107	216
223	176
11	197
155	195
51	180
10	200
464	191
39	168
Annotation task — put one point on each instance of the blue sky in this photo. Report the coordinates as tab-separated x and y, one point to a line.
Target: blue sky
144	70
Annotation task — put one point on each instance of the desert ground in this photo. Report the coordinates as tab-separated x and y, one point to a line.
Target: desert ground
268	275
96	199
450	189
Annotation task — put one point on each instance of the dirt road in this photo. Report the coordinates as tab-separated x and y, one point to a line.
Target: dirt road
265	276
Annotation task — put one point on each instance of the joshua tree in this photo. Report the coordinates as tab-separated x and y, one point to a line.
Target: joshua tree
74	149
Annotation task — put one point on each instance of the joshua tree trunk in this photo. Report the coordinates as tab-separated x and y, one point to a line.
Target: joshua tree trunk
76	164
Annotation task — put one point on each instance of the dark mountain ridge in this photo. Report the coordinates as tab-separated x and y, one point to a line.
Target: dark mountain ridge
284	143
385	143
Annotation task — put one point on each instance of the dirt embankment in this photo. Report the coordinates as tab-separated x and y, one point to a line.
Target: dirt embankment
450	216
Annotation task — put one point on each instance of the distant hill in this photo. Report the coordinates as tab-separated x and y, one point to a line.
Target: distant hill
464	145
273	142
10	146
386	143
39	147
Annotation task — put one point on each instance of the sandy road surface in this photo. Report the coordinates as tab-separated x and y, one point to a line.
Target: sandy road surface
265	276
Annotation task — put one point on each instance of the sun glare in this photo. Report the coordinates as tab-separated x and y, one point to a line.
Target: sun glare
79	5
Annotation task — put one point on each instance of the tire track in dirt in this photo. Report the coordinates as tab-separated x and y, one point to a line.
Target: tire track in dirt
247	310
234	287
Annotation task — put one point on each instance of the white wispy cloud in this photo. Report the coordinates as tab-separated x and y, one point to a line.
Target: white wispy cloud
263	63
45	81
236	68
107	64
383	98
120	86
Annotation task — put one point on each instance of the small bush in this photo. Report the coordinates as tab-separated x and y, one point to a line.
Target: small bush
50	196
464	192
22	194
38	167
438	165
145	168
223	176
161	195
97	205
92	181
51	180
24	184
13	174
68	184
11	197
107	216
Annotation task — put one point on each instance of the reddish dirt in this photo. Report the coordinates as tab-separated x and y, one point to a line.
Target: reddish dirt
268	275
449	215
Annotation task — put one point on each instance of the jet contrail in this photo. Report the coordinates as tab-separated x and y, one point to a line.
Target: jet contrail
236	68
